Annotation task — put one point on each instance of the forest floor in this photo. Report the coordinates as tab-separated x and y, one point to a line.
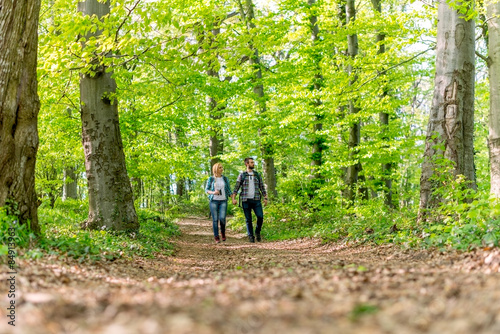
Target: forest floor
298	286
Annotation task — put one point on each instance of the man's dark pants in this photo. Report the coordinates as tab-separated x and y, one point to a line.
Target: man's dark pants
256	206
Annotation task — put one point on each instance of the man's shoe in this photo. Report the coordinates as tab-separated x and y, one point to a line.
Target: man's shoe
251	238
217	239
259	239
223	236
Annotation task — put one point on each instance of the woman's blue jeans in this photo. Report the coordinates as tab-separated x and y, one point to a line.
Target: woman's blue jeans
218	210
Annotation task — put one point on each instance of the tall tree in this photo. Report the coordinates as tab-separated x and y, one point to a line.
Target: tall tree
70	185
248	15
180	140
352	172
450	131
216	111
19	107
318	141
111	203
384	116
493	13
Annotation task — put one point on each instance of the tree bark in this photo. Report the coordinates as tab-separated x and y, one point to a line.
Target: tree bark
493	13
451	121
111	203
266	148
384	118
318	142
19	106
180	140
181	187
216	136
352	171
70	185
216	112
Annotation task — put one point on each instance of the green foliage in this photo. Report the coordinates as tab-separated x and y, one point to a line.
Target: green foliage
367	222
170	58
465	218
61	235
461	226
362	309
9	224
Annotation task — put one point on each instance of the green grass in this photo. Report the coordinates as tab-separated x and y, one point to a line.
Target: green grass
61	235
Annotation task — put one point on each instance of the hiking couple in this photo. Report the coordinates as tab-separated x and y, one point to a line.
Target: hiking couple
252	191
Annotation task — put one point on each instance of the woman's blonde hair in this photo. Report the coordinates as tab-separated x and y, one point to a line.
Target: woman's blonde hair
215	168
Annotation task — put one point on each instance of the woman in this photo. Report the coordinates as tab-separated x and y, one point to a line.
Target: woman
218	190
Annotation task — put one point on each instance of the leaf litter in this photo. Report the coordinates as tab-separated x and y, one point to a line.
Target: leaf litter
296	286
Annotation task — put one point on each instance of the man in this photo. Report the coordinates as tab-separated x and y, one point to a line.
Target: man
251	193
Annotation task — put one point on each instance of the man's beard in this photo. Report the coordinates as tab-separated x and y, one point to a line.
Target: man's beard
251	167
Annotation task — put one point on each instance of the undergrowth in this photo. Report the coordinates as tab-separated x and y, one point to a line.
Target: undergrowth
457	225
61	235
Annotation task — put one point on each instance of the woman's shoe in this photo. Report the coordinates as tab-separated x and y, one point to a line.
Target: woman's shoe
217	239
223	236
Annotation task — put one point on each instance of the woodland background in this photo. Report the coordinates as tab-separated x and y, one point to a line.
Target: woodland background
331	97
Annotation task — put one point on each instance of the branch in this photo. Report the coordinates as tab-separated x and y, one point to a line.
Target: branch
487	60
165	106
390	68
125	19
161	74
230	15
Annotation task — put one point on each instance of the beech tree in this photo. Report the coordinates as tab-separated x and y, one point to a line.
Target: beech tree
248	15
493	19
216	111
19	106
352	171
383	115
450	131
318	141
70	184
111	203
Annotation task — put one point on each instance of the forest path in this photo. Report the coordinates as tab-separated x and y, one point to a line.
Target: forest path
236	287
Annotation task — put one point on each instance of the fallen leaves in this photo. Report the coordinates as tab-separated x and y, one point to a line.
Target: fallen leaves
297	286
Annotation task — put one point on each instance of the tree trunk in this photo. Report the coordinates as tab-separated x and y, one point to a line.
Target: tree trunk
493	13
180	140
181	187
136	183
111	203
216	113
384	118
352	171
266	148
19	106
70	185
164	185
318	142
216	136
451	122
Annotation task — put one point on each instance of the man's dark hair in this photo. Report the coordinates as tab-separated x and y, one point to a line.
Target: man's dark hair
248	159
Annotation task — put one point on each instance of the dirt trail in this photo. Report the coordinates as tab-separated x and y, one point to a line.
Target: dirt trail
296	286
